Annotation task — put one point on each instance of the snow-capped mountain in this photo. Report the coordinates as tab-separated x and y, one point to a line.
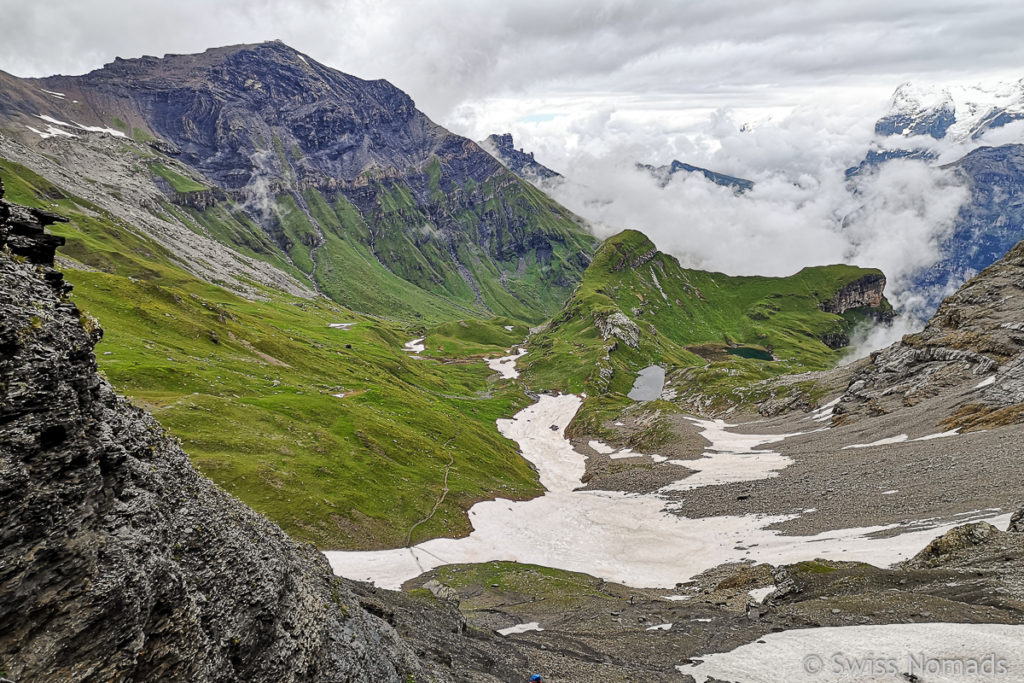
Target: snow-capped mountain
958	112
960	120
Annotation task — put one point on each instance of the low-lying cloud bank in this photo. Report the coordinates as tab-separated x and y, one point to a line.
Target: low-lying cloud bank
802	210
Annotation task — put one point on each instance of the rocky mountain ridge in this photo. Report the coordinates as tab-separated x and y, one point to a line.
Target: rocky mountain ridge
318	172
664	174
923	123
519	161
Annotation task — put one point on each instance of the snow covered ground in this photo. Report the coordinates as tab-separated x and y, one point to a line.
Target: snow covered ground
506	365
936	653
415	346
731	457
520	628
626	538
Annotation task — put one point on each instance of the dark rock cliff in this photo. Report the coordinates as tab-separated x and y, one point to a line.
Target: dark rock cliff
519	161
974	345
121	562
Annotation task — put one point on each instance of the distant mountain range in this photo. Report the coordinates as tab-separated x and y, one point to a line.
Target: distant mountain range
664	174
992	221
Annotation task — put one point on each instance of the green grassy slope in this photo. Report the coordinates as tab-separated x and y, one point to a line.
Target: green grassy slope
702	323
250	388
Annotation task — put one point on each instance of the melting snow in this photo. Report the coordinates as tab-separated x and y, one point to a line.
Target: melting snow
520	628
987	382
620	537
759	594
731	458
881	442
940	435
603	449
50	132
824	413
93	129
58	95
509	327
660	627
100	129
506	365
936	652
340	326
415	346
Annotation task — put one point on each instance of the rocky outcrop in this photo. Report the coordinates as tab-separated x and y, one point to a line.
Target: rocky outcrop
664	175
519	161
866	293
1017	522
118	561
619	326
974	345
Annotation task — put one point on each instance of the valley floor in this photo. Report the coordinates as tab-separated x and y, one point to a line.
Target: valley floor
763	526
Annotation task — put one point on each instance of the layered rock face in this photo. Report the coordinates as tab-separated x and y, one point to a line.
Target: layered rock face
974	345
867	292
121	562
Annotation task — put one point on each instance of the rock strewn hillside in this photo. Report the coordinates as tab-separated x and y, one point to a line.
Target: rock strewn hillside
119	561
971	350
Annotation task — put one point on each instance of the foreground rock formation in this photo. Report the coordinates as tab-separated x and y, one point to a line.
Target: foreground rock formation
121	562
971	351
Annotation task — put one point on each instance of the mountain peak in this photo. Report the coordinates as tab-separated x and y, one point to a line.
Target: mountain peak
502	147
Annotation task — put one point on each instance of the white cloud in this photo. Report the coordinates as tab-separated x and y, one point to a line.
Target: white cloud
801	212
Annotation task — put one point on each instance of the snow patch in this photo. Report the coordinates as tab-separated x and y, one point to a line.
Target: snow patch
660	627
506	365
72	124
824	413
101	129
881	442
520	628
987	382
602	448
832	654
50	132
759	594
415	346
940	435
340	326
731	457
622	537
58	95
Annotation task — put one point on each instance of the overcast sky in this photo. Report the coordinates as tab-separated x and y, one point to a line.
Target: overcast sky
527	59
593	87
